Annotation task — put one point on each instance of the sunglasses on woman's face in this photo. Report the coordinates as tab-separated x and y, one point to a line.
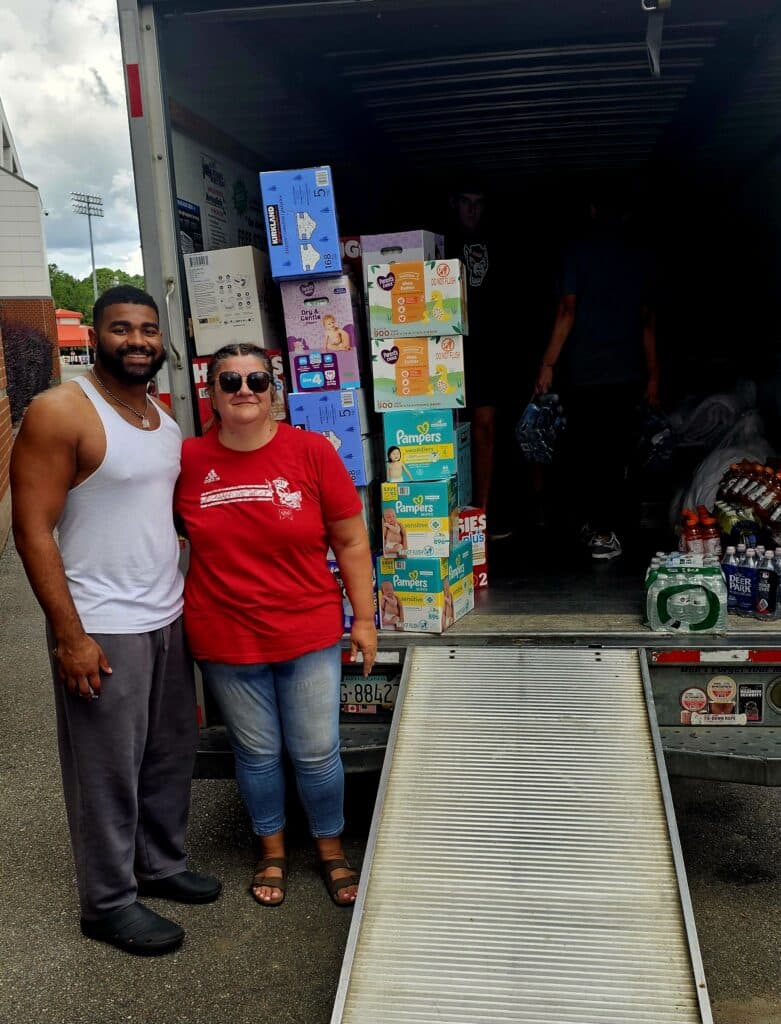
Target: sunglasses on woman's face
258	381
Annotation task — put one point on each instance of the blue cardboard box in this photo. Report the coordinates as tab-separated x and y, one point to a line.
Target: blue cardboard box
341	416
420	445
300	216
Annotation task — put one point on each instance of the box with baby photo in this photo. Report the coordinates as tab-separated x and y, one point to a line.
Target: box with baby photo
425	595
419	518
324	336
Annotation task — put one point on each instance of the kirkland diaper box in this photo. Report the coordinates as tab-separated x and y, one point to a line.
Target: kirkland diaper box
425	595
323	327
401	247
418	373
419	445
232	298
300	215
347	608
419	518
342	417
417	300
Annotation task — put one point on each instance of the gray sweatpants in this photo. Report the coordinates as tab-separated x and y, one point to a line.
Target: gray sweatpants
127	761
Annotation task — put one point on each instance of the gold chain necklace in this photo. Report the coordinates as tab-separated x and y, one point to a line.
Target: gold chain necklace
146	423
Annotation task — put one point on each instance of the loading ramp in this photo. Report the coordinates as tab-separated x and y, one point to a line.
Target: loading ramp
523	863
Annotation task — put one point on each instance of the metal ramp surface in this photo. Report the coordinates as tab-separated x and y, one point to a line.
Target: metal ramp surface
523	862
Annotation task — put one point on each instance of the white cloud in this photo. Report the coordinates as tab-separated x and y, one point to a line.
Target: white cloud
62	87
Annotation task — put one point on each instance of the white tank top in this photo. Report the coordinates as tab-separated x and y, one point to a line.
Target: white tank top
116	532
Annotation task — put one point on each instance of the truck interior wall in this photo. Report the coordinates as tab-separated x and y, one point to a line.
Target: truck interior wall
296	91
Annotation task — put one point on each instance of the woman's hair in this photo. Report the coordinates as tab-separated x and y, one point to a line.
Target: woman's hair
239	348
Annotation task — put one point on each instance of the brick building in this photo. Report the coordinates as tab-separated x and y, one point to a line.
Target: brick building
25	293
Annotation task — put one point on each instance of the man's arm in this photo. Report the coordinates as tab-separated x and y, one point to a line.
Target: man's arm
350	544
562	325
649	348
43	467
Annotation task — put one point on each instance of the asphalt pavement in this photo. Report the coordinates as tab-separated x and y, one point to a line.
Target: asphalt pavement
244	964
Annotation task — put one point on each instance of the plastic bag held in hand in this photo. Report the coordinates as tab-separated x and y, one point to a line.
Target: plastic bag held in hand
538	429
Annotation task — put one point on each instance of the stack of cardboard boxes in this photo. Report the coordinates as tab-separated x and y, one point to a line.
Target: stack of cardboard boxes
416	308
417	313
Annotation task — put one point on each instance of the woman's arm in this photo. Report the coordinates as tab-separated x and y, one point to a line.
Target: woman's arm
350	544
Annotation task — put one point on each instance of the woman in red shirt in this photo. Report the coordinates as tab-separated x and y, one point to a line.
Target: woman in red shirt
261	503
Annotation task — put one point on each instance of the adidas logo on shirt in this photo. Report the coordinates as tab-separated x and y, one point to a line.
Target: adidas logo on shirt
211	477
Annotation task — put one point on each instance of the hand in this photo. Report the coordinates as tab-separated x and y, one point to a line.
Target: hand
363	637
544	380
79	664
652	390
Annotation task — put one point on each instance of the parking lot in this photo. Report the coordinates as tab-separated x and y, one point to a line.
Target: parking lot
243	964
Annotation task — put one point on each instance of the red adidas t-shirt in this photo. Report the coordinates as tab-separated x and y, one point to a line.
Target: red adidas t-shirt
259	588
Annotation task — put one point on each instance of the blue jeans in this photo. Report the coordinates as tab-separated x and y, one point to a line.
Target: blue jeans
296	701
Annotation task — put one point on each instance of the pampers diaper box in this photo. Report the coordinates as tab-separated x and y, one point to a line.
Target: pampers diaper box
418	373
425	595
419	518
420	445
341	416
416	300
401	246
300	215
322	323
232	298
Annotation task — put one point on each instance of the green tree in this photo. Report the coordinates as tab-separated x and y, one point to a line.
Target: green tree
70	293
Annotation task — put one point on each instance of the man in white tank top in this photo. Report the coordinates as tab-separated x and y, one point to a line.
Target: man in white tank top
96	460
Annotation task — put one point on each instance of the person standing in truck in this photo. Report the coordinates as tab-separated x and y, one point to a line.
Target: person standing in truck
97	460
261	504
471	241
602	360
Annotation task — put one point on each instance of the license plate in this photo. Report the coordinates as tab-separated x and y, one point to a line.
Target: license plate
364	696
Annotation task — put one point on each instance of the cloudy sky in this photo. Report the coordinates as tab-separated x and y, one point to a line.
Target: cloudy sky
62	88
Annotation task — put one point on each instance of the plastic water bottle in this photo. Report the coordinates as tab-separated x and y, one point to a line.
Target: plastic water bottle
766	595
740	553
746	584
728	567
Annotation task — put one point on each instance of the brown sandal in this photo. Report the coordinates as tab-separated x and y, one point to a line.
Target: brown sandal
335	885
270	883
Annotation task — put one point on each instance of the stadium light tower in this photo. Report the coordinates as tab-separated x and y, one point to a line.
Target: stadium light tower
90	206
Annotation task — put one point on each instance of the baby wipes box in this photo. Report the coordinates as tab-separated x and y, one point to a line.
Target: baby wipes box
419	518
232	298
425	595
322	323
419	445
341	416
401	247
415	300
418	373
300	215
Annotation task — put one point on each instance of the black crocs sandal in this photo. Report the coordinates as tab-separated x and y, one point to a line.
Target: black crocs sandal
335	885
271	883
135	929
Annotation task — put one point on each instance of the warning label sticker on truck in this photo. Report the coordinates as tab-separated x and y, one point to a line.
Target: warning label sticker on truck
717	719
750	701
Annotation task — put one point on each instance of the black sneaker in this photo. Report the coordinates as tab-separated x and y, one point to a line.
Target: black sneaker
135	929
604	547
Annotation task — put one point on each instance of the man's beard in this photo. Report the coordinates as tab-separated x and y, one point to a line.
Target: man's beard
112	361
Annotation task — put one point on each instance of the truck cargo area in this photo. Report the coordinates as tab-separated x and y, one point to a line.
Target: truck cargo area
404	99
